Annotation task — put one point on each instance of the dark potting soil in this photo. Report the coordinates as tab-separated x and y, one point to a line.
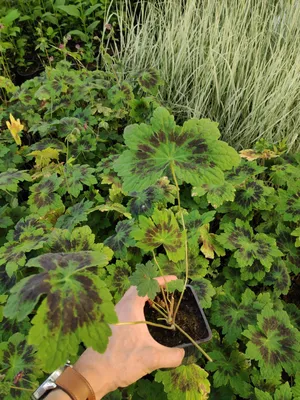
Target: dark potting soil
189	318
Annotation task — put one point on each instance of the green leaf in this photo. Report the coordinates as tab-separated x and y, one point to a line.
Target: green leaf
178	284
74	215
216	194
279	277
188	382
274	343
283	392
247	245
143	279
197	266
260	395
10	17
161	229
77	307
9	180
232	370
296	387
204	290
118	278
149	81
120	95
76	176
92	26
43	197
146	390
194	151
234	316
252	196
80	239
20	367
5	221
288	204
193	222
246	170
122	239
70	10
210	245
143	202
296	232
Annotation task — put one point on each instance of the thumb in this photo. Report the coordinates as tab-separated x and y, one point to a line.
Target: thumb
171	357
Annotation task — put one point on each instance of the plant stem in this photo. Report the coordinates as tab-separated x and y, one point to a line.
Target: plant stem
185	242
144	322
19	388
157	307
162	290
193	341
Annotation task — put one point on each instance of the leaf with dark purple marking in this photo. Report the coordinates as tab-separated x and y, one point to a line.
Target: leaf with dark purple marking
279	277
143	202
161	229
20	367
76	176
118	278
288	204
121	240
76	305
149	81
246	170
233	316
216	194
186	382
205	291
274	343
248	246
10	179
231	370
192	150
43	197
74	215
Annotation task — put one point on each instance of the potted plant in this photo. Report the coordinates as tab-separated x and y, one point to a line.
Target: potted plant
189	154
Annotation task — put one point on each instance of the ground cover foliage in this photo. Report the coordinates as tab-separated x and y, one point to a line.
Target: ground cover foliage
88	192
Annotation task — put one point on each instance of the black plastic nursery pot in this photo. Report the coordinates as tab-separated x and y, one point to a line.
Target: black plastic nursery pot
190	318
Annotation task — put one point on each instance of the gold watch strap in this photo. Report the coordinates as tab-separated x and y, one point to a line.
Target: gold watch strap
75	385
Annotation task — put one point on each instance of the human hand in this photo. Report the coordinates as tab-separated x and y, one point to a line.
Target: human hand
131	352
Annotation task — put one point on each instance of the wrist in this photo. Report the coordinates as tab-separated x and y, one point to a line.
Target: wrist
98	371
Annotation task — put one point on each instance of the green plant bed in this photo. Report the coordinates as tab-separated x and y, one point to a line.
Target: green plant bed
98	184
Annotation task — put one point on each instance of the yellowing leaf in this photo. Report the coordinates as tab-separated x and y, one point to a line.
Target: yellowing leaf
43	157
15	127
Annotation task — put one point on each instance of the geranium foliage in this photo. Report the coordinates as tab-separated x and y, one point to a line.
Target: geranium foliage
185	382
274	343
192	150
89	206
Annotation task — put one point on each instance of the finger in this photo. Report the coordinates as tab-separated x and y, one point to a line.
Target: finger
170	357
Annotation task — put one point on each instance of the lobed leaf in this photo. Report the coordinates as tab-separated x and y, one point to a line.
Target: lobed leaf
274	343
122	239
43	197
10	179
77	307
161	229
247	245
187	382
233	316
143	279
231	370
193	150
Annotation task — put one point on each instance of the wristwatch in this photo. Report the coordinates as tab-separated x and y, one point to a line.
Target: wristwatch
70	381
